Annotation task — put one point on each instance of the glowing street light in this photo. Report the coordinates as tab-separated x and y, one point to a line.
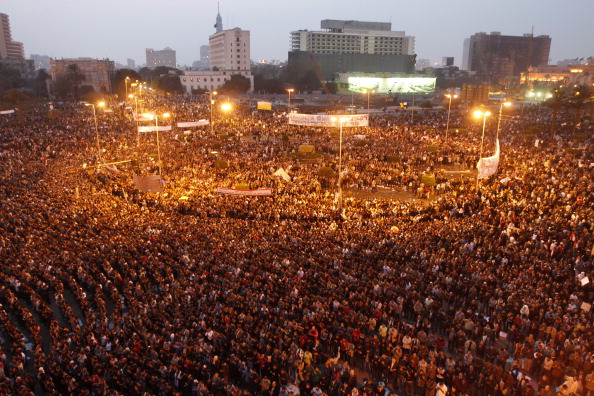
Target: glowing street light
290	90
450	96
479	114
226	107
100	104
506	104
126	84
341	121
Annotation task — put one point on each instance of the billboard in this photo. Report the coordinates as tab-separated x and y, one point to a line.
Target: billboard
392	85
324	120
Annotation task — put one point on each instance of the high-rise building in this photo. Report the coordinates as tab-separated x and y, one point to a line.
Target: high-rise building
219	23
447	61
352	46
230	50
500	59
41	61
96	72
9	49
165	57
353	37
465	52
131	63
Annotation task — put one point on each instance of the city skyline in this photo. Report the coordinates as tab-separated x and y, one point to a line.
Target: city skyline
124	29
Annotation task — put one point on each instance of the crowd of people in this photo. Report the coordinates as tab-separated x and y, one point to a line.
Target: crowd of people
108	290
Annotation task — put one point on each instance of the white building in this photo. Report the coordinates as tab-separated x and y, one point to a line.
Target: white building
164	57
209	80
230	50
229	55
9	49
353	37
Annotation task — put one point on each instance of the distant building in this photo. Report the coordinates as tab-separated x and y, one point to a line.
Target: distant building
9	49
219	21
447	61
204	62
465	54
558	75
96	72
165	57
208	80
351	46
41	61
502	59
230	50
475	94
229	54
131	63
422	64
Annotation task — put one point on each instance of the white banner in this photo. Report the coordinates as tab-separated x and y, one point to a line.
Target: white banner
231	191
140	117
7	112
488	166
324	120
192	124
153	128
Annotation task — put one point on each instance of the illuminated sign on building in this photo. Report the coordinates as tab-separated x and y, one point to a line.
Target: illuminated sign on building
387	85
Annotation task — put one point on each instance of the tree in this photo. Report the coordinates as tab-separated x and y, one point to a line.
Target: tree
9	78
17	97
118	81
237	84
577	99
169	83
556	101
41	81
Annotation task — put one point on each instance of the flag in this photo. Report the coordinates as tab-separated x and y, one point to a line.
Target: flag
488	166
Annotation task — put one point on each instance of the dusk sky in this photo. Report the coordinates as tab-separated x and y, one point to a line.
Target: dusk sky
125	28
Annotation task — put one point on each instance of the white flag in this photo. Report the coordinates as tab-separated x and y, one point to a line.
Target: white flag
488	166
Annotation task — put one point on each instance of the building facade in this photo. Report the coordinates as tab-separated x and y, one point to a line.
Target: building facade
230	50
549	76
96	72
9	49
165	57
209	80
350	47
353	37
502	59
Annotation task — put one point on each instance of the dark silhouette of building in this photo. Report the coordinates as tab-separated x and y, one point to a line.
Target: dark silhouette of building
502	59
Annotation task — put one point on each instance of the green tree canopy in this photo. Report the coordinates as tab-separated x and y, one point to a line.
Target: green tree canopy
237	84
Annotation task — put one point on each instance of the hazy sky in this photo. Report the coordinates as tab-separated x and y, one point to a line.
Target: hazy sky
121	29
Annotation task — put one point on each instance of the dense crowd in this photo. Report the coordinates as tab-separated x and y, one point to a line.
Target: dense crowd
107	290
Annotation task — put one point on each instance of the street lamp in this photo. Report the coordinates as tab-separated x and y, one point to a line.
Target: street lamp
290	90
450	96
368	91
100	104
506	104
156	117
341	121
479	114
211	105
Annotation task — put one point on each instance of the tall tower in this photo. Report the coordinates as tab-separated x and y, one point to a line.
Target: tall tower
219	24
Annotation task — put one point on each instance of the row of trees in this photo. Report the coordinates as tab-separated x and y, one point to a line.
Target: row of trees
578	98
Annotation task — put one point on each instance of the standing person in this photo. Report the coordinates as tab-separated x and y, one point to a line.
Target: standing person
441	389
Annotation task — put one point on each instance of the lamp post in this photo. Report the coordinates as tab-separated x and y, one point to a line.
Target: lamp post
483	114
341	121
156	117
450	96
368	91
290	90
211	105
506	104
100	104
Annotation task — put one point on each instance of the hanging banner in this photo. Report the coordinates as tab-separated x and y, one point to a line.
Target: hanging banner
488	166
325	120
264	105
140	117
7	112
143	129
192	124
262	192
